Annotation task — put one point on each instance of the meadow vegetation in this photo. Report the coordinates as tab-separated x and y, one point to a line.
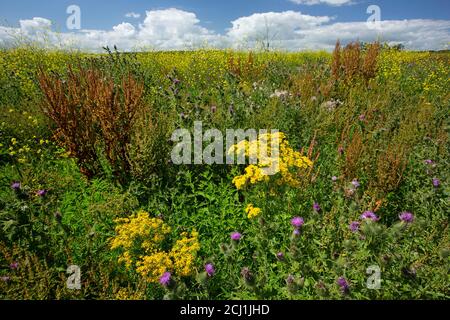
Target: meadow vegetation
86	176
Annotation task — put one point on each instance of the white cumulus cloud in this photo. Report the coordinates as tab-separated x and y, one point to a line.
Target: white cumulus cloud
417	34
173	28
272	26
329	2
35	25
133	15
178	29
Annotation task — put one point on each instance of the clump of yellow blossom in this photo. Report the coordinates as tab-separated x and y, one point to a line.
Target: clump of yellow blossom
126	294
153	266
141	239
252	211
183	254
283	160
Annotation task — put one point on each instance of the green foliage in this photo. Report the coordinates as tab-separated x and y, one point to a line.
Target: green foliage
379	131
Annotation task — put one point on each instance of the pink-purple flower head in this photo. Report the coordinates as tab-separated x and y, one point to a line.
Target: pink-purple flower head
407	217
334	178
316	207
209	268
343	284
280	256
369	215
297	222
354	226
436	182
362	117
429	161
356	183
41	192
15	185
165	279
248	276
14	265
236	236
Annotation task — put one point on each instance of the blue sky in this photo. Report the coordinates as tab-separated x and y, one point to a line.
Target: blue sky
217	17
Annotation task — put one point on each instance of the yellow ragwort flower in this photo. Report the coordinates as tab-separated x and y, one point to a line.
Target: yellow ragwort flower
252	212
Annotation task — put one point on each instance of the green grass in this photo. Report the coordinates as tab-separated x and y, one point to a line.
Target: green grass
405	122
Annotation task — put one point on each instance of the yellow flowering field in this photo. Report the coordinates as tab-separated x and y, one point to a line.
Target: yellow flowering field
342	192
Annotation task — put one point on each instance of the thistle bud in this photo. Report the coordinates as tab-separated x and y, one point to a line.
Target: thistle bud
202	278
293	285
58	216
280	256
409	272
321	289
248	277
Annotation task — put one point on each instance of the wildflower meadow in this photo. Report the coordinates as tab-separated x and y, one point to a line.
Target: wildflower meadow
94	205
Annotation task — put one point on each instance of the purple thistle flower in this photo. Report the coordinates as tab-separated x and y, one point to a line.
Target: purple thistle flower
297	222
343	284
165	279
362	117
354	226
316	207
14	265
436	182
334	178
429	161
236	236
290	279
356	183
407	217
15	185
296	232
280	256
41	192
209	268
369	215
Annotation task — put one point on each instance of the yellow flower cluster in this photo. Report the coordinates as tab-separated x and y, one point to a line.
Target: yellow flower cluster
21	152
140	237
183	253
148	232
17	64
153	266
252	212
22	148
253	174
126	294
291	159
200	68
286	161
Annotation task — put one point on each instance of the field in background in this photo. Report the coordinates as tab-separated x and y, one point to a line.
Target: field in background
86	176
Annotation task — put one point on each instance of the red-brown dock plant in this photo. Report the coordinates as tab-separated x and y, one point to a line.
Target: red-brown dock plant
93	115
